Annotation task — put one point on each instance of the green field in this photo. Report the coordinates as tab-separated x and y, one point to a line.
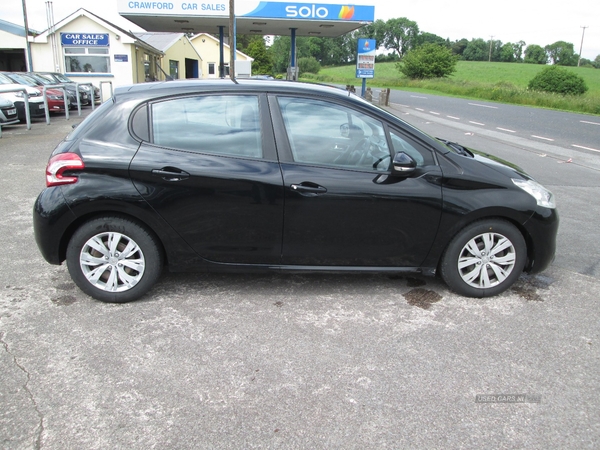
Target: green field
502	82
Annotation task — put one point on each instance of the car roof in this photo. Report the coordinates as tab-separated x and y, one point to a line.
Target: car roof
175	87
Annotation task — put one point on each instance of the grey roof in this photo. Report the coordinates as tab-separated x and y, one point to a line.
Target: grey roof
161	41
17	30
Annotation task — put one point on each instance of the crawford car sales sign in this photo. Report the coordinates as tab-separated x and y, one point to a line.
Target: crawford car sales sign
251	8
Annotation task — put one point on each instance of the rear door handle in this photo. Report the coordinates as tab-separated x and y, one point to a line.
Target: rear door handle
170	174
308	189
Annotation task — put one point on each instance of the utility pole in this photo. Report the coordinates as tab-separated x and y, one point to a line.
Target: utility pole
232	43
27	45
581	46
491	42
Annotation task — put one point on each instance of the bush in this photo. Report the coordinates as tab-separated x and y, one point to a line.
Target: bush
558	80
428	61
309	64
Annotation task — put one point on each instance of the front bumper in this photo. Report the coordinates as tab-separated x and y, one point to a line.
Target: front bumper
542	229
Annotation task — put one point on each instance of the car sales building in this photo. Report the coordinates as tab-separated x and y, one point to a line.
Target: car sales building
184	39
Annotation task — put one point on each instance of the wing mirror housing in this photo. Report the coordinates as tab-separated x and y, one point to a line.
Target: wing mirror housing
403	164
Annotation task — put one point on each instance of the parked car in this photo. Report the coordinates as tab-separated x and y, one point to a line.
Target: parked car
69	89
34	97
57	77
261	175
8	112
55	97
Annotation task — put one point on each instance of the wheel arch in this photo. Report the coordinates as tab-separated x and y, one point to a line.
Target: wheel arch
84	218
517	221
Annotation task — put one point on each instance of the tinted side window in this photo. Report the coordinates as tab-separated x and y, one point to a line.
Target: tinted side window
221	124
329	134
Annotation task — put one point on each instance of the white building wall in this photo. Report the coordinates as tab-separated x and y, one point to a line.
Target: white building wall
121	72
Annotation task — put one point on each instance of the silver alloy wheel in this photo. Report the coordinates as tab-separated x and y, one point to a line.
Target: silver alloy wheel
112	262
486	260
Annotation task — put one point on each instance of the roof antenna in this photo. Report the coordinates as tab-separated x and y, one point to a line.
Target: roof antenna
232	49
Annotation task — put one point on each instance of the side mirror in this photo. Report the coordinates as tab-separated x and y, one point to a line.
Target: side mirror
403	164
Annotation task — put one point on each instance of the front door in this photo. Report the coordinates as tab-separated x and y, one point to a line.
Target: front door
343	207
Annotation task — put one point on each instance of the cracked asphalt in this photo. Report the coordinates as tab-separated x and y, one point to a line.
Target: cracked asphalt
296	361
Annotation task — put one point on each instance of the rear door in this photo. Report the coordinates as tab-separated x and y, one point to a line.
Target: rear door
208	166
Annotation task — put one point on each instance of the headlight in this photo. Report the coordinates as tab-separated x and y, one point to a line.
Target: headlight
85	88
542	196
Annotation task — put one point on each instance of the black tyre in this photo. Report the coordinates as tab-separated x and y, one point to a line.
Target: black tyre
484	259
114	260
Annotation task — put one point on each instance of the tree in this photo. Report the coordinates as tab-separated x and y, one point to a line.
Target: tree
535	54
428	61
476	50
596	62
257	49
507	53
399	35
561	53
430	38
558	80
518	50
458	47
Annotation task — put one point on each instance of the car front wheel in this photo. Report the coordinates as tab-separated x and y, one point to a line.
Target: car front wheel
113	259
484	259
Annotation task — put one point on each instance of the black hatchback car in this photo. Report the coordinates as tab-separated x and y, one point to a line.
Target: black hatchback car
274	175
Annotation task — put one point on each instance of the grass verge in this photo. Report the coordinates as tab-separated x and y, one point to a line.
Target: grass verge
499	82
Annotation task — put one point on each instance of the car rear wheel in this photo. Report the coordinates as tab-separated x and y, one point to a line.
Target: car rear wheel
113	259
484	259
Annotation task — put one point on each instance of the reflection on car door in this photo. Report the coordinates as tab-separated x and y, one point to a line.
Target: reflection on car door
352	213
211	172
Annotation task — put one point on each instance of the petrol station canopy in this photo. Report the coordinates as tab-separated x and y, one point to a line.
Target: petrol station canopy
251	16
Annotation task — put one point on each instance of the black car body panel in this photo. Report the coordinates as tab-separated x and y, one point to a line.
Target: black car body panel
264	212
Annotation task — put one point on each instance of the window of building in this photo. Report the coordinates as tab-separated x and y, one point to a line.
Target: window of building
174	69
87	59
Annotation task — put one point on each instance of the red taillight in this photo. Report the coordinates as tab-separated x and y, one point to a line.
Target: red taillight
60	164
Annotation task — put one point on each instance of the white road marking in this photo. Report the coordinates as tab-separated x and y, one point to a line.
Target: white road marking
420	109
436	113
476	123
541	137
452	117
416	96
586	148
483	106
591	123
506	129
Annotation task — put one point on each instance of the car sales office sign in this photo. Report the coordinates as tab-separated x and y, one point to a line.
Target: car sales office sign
365	58
84	39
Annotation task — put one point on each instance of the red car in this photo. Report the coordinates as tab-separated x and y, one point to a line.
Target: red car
56	100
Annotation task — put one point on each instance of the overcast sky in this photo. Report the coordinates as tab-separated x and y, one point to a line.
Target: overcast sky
535	22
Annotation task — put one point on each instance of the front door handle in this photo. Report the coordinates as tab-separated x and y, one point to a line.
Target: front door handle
308	189
170	174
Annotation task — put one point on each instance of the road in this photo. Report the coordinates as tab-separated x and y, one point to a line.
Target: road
576	131
302	361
